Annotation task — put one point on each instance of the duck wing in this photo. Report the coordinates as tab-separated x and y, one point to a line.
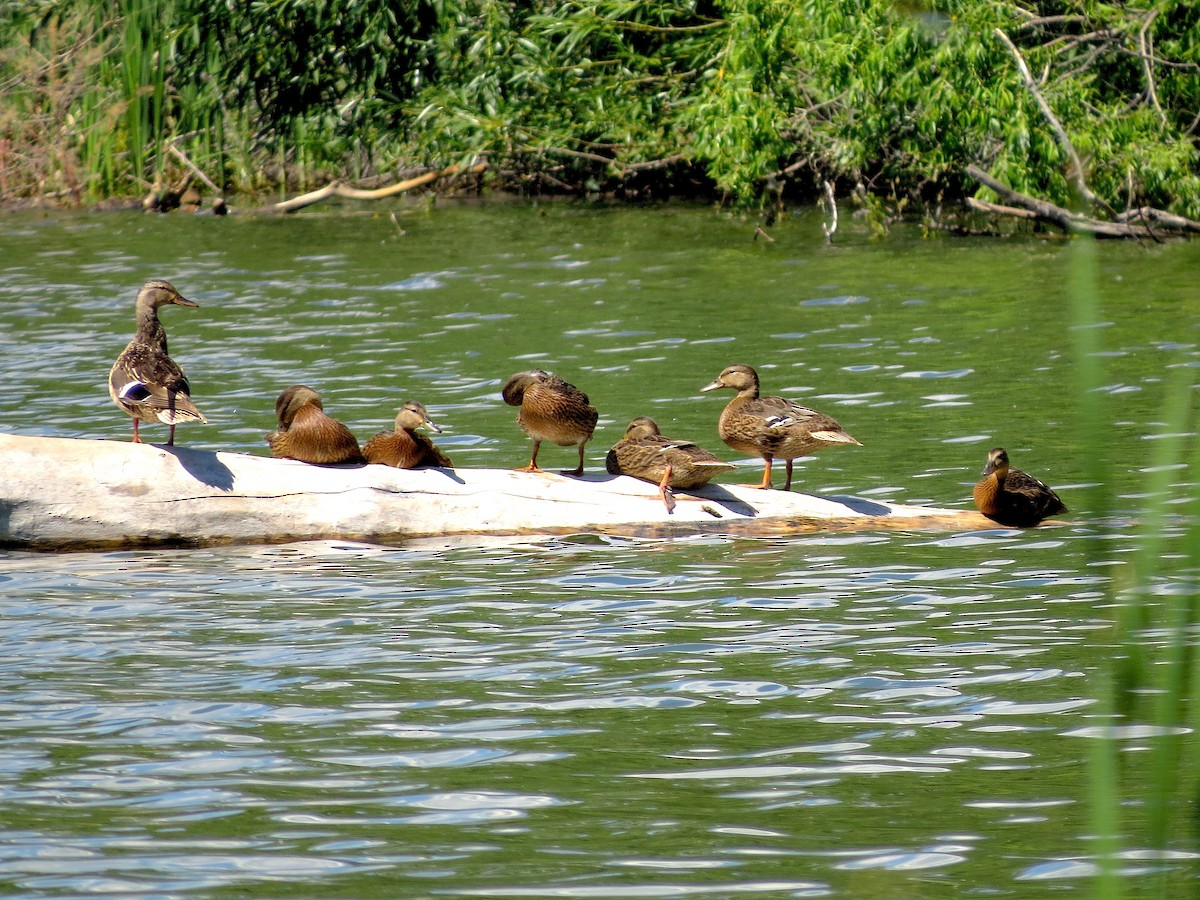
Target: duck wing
151	381
1033	495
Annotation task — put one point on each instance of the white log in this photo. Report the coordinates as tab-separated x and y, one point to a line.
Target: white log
65	493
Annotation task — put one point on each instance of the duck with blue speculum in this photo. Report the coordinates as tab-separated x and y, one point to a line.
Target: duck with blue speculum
405	447
646	454
307	434
145	381
771	427
551	410
1011	497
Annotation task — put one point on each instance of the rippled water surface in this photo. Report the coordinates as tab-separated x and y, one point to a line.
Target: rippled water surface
867	715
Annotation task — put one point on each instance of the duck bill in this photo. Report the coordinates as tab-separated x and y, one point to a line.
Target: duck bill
711	387
184	301
432	425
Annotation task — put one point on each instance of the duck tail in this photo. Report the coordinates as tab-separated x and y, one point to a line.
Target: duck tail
183	410
835	437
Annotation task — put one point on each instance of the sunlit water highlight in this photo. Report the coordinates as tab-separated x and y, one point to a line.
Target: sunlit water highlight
870	715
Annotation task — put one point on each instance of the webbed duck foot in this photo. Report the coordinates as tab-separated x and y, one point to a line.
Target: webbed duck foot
664	491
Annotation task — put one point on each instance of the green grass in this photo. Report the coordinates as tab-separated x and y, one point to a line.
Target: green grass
1143	800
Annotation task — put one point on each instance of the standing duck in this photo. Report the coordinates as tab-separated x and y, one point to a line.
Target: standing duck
145	381
404	448
771	427
1010	497
307	434
644	453
551	410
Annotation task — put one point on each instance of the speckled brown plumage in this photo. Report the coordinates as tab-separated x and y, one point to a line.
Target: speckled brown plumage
644	453
1011	497
145	381
551	410
307	434
406	448
771	427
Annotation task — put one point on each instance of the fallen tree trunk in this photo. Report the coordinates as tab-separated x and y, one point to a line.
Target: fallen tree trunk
65	493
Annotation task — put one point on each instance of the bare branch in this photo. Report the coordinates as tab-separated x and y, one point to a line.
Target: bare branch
195	169
1032	208
998	209
1160	217
1064	140
1147	66
654	163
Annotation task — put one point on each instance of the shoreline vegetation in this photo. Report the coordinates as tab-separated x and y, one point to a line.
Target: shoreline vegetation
966	117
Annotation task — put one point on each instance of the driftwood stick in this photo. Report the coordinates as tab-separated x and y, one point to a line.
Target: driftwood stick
337	189
389	191
304	200
1064	140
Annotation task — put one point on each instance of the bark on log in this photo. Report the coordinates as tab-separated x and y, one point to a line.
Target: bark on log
67	493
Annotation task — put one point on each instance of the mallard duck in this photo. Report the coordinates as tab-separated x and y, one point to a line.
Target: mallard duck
644	453
145	381
551	410
307	434
405	448
1011	497
771	427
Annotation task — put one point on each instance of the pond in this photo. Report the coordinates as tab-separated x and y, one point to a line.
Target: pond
881	714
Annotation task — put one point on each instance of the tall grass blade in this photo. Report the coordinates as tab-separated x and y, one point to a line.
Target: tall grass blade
1168	676
1094	418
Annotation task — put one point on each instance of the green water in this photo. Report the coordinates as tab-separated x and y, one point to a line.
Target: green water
869	715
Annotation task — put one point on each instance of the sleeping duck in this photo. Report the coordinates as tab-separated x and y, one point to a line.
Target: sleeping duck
306	433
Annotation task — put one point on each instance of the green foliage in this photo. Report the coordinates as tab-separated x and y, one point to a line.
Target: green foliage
752	99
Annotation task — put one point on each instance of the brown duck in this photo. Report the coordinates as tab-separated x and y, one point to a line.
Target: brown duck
1011	497
644	453
771	427
404	448
307	434
551	410
145	381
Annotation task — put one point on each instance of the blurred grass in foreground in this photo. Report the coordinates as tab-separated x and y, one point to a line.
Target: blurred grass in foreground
1143	801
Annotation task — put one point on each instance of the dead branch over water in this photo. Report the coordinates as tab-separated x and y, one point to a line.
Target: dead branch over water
1156	223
